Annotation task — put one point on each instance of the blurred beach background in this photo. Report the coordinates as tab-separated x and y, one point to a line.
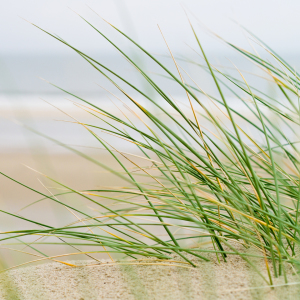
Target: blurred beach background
28	55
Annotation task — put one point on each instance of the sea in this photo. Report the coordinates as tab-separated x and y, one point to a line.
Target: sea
42	96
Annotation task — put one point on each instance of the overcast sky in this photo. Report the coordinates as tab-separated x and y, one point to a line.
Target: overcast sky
275	21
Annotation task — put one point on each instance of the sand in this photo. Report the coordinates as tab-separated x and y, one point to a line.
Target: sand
146	279
210	280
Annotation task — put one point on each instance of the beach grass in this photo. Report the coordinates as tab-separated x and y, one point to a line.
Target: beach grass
203	172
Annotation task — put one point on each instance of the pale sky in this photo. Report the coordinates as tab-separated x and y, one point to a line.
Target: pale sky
277	22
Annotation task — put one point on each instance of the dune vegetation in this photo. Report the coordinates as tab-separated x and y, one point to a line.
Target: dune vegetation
205	176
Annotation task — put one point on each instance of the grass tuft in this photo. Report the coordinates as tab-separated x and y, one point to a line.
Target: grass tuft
221	175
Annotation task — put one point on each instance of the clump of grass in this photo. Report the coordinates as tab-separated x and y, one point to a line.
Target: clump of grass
234	179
